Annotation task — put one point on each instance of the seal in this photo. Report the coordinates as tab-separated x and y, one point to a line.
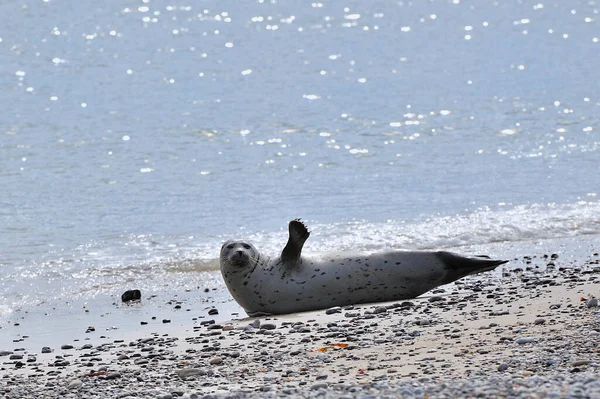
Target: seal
293	283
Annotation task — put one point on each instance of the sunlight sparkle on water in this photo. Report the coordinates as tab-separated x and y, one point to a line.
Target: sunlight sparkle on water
311	97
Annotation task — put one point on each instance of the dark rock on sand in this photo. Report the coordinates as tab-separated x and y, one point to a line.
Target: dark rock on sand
131	295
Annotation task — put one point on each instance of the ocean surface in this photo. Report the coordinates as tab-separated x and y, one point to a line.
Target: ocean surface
137	136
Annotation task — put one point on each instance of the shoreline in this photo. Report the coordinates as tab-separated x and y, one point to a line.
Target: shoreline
527	331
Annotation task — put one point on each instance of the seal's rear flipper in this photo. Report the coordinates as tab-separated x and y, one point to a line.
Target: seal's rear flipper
459	266
298	236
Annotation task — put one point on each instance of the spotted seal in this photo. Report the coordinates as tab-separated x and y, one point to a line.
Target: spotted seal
293	283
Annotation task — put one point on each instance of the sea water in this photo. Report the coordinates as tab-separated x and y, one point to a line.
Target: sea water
137	136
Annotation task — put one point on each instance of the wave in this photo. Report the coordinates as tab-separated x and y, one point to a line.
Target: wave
483	226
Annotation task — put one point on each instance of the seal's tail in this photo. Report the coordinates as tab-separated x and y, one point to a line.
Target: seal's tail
460	266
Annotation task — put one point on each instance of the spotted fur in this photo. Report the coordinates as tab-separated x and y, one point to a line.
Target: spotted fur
292	282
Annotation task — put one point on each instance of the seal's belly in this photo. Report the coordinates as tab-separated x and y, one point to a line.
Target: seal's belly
322	282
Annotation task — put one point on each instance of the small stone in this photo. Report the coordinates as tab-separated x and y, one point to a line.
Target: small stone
499	313
351	314
592	303
321	385
192	372
75	384
16	357
6	353
335	309
131	295
380	310
538	322
503	367
215	361
268	326
525	340
61	363
66	347
213	312
113	376
578	363
165	321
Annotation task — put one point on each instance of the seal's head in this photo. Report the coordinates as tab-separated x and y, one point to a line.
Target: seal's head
238	254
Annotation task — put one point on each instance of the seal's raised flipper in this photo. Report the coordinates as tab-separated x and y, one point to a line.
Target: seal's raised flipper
459	266
298	236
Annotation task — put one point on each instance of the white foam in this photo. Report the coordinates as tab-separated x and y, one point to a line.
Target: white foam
519	223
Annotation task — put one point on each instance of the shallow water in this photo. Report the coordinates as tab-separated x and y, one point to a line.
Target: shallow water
137	136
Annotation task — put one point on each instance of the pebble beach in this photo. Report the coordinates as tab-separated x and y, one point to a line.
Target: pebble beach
531	332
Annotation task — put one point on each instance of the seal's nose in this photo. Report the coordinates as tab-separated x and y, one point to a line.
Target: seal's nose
239	252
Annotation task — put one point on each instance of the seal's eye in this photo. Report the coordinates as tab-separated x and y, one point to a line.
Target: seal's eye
246	246
230	246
